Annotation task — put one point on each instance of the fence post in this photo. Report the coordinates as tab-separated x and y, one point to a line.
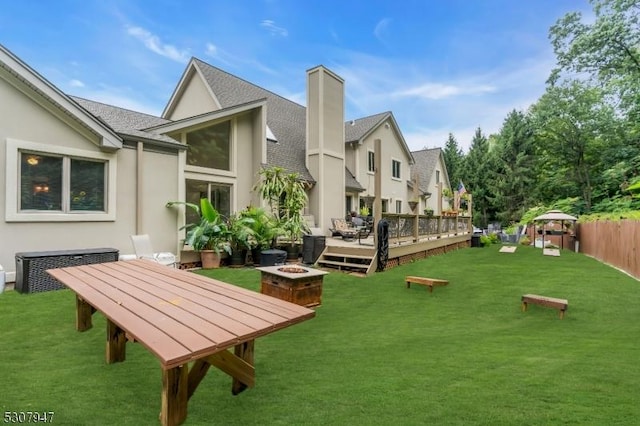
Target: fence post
416	230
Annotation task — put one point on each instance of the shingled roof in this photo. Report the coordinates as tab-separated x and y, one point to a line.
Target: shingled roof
350	182
128	124
355	130
285	118
425	163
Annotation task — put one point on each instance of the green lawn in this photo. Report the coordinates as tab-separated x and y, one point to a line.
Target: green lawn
375	354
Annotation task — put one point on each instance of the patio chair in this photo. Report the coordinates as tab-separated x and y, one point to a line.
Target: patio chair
144	250
342	228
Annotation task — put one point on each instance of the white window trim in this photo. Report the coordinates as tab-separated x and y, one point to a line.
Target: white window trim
399	169
14	146
374	162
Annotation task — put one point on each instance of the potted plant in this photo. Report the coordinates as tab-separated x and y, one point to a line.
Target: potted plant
240	234
264	229
286	197
209	236
428	212
364	211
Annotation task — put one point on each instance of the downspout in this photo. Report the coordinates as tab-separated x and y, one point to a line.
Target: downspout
139	185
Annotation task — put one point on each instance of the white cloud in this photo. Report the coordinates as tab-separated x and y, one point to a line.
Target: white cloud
436	91
382	28
153	43
275	30
76	83
212	49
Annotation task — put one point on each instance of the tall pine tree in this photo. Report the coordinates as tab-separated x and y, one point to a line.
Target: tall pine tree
477	178
516	167
453	159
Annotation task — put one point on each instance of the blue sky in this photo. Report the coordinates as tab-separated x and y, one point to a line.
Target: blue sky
440	66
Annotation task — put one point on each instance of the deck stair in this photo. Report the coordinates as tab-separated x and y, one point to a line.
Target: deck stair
355	259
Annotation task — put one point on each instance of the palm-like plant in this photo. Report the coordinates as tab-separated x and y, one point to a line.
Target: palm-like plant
211	232
240	232
264	226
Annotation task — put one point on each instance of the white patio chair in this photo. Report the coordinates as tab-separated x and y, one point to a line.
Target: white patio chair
144	250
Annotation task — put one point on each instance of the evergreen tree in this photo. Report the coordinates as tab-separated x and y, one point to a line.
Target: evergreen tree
477	178
453	159
516	167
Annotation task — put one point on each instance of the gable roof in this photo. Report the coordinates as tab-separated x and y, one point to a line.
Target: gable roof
426	161
357	130
38	88
129	124
285	118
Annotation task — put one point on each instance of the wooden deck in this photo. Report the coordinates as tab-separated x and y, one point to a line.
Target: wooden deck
179	317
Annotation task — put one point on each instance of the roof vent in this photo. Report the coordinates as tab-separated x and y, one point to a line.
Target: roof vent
353	122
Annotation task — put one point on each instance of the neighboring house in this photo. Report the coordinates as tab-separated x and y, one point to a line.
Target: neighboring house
396	161
82	174
428	173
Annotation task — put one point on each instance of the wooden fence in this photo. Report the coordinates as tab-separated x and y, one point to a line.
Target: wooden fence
615	243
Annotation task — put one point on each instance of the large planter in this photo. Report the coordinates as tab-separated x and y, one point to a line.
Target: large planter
293	252
238	258
255	255
210	259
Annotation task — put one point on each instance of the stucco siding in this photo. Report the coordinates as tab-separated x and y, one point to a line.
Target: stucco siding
246	176
160	183
195	100
24	120
313	104
392	189
333	113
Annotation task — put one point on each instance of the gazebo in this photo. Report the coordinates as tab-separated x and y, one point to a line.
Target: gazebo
552	215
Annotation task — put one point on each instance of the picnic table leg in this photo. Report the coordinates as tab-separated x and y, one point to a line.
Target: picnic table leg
524	306
196	374
245	352
174	395
116	343
84	311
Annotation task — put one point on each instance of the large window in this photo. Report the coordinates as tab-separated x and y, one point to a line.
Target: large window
219	194
371	161
61	183
395	169
210	147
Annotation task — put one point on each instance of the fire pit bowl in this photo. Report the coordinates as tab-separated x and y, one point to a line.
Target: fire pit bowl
293	269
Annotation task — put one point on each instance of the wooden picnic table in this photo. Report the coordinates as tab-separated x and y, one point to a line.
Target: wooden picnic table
181	318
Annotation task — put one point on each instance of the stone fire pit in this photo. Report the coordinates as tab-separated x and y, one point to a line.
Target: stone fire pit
293	283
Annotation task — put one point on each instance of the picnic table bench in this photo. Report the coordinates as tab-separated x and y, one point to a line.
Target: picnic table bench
551	302
180	317
429	282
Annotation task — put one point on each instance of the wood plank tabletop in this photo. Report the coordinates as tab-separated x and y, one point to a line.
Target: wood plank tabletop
179	316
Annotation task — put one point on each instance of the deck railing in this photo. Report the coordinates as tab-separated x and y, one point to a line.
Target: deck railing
410	227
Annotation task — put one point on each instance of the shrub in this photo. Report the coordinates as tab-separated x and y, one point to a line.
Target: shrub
525	241
485	240
494	238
